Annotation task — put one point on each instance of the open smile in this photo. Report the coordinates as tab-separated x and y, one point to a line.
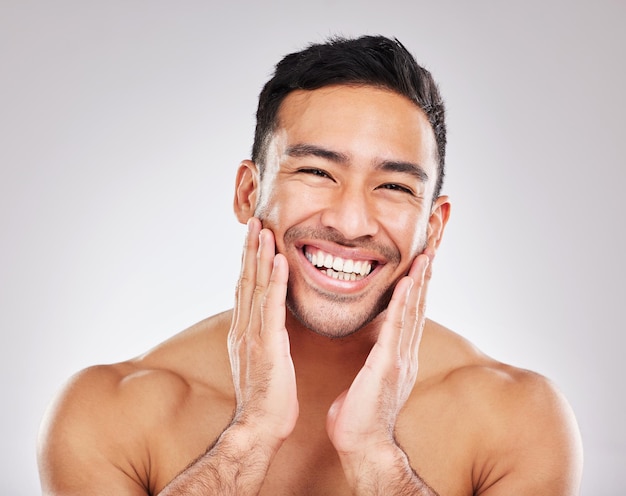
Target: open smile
343	269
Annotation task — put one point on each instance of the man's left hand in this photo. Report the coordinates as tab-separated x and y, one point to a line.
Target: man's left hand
361	421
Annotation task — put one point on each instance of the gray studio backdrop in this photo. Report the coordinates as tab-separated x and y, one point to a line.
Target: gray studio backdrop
121	126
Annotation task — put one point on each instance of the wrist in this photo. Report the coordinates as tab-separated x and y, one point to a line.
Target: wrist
370	460
251	434
379	468
237	463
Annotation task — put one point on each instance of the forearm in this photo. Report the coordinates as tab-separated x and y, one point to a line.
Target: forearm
236	465
384	471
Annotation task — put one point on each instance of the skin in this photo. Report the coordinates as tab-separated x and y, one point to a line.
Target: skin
300	389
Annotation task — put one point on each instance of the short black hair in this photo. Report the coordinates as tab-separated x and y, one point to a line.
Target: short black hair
369	60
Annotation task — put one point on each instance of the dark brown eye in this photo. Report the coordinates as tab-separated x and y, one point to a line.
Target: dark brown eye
315	172
396	187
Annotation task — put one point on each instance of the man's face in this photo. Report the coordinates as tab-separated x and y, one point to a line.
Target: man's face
347	190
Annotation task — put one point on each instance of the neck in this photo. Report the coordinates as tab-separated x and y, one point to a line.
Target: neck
326	366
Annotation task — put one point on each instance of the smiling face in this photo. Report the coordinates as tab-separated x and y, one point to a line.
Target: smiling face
347	190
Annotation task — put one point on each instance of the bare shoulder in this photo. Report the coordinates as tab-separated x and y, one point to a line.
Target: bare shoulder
110	421
523	429
453	361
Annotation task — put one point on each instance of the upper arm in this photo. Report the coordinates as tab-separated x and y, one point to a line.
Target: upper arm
538	448
78	450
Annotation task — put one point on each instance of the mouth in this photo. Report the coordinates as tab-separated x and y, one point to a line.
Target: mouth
342	269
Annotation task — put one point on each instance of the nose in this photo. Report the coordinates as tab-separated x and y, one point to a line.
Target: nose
351	212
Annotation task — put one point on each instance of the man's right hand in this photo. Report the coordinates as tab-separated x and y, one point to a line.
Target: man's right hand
263	376
258	343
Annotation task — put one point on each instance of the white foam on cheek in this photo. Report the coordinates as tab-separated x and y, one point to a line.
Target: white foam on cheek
274	151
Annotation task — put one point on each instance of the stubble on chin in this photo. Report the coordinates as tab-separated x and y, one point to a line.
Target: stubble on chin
334	318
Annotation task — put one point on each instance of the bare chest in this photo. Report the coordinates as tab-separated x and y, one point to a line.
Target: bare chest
436	429
307	464
310	465
440	446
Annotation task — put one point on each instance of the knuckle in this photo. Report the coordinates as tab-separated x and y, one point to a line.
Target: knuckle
258	297
259	290
265	304
243	282
234	337
398	325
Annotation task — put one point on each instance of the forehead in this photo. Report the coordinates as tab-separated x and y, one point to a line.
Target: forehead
363	122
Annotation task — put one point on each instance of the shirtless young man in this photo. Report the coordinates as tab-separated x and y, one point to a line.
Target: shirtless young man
310	385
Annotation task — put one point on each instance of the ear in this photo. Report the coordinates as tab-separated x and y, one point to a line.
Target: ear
246	191
439	216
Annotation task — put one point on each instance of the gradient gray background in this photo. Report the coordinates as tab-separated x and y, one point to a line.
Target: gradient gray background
121	126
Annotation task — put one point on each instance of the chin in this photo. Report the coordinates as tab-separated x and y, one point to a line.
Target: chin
336	318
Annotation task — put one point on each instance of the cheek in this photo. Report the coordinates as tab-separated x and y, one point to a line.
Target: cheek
279	212
266	214
288	204
420	242
413	230
270	206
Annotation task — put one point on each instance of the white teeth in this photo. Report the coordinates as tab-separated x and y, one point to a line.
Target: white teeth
342	276
328	261
337	267
338	264
348	265
357	267
365	268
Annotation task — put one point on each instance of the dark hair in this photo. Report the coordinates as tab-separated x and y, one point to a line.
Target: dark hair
369	60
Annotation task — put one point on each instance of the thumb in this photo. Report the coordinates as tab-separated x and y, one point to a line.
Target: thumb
333	411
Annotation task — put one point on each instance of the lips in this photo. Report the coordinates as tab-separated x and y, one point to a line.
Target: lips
343	269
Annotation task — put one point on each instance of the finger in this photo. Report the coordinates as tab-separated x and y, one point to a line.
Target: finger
391	331
430	254
273	309
265	258
243	301
421	272
264	263
247	277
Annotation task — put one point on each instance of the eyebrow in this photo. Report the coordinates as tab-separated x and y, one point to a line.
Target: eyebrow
411	168
308	150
